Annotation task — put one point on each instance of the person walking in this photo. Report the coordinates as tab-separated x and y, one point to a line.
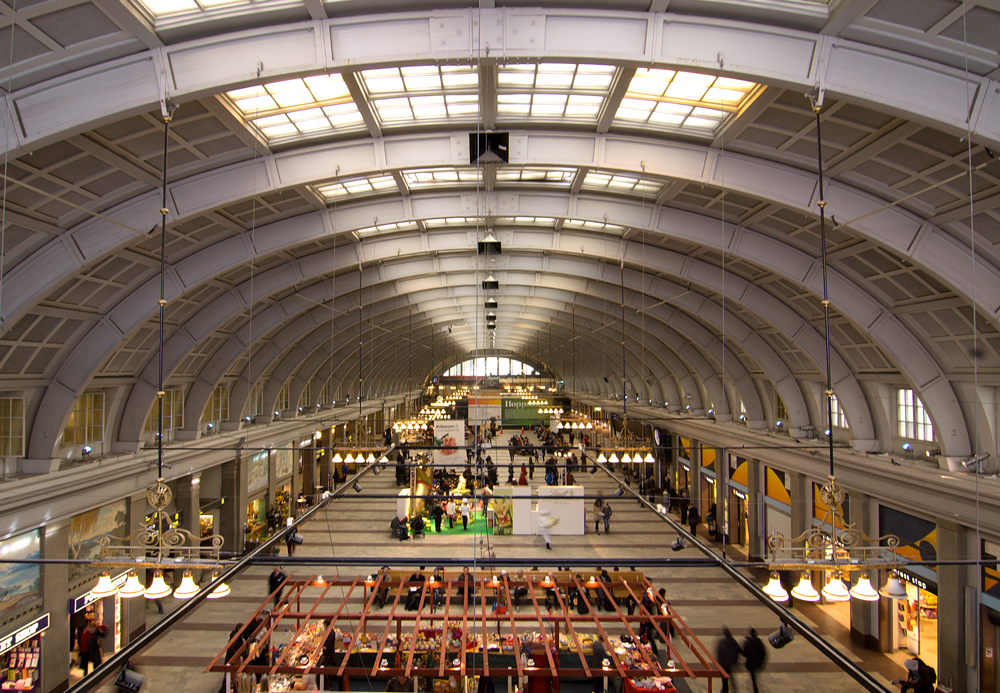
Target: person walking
545	524
693	519
450	509
598	512
274	581
727	654
466	511
755	654
606	516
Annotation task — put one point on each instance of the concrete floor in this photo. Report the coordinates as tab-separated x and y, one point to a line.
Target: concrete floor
358	525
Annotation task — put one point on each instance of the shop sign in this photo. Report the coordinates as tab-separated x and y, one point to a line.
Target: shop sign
87	598
914	580
29	631
738	494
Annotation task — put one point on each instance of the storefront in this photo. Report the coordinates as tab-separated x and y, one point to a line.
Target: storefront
737	505
107	614
916	627
20	657
256	524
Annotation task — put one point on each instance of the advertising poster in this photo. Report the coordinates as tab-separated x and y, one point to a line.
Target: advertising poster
450	435
283	461
503	510
520	413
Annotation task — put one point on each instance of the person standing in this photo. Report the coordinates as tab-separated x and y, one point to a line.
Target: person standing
727	654
606	516
693	519
437	512
450	509
274	581
598	512
466	511
756	655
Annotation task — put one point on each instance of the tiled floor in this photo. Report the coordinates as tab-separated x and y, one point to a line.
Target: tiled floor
358	525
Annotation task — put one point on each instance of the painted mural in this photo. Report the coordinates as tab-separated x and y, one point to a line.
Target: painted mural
86	528
257	472
20	583
283	461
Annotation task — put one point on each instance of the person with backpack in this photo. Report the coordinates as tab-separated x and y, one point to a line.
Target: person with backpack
606	514
920	677
755	654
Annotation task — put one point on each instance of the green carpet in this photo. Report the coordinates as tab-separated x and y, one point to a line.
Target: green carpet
477	524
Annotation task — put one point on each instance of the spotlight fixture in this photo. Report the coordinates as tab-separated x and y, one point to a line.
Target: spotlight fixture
246	420
277	414
210	429
977	461
489	245
933	453
490	283
907	447
491	303
356	487
85	452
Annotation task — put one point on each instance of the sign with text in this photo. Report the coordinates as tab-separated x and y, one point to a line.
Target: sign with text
523	413
27	632
450	435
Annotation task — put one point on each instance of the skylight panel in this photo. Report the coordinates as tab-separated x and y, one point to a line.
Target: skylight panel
298	108
419	94
430	177
538	175
380	229
603	227
526	221
357	187
616	182
681	101
553	91
453	221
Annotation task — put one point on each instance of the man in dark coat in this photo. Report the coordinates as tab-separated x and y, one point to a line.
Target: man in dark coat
437	512
727	654
274	581
756	655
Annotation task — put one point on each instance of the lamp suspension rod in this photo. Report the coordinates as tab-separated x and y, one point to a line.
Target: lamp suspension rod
826	290
624	394
163	301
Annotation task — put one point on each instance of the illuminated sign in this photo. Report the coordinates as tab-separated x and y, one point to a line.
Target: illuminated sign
914	580
27	632
83	600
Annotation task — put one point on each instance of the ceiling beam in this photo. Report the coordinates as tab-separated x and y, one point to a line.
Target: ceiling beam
131	20
226	113
362	102
620	85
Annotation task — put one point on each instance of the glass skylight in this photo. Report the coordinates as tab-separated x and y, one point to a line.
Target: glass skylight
616	182
357	187
552	90
537	174
386	228
681	101
526	221
603	227
454	221
423	93
298	108
429	177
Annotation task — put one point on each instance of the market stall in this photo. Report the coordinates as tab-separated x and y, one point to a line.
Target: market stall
449	630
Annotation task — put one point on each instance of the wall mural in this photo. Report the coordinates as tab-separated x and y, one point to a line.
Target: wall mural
86	528
257	472
283	461
20	583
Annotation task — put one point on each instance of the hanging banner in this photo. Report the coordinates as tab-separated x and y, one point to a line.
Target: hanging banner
450	435
522	413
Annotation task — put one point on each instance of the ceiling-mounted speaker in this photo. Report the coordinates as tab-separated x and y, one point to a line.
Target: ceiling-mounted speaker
489	147
491	302
489	245
490	283
491	326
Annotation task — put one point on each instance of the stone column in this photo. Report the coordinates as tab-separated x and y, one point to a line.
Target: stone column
307	458
232	514
135	624
721	492
55	592
326	470
755	506
865	615
187	501
955	666
694	478
272	477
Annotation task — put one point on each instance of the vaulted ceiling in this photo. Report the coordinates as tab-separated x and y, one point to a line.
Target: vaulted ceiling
660	200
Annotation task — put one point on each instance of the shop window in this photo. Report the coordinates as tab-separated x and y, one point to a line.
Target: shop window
12	426
173	412
912	417
86	421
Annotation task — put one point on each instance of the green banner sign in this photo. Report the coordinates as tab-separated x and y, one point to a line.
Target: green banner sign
519	412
